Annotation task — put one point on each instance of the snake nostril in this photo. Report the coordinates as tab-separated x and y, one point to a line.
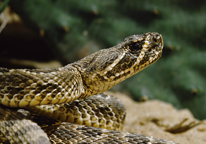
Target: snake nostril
155	42
155	39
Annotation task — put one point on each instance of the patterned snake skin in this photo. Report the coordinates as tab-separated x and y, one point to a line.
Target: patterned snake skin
54	98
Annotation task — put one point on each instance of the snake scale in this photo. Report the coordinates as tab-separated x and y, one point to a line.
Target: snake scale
64	105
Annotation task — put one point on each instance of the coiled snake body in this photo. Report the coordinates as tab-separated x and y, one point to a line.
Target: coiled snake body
72	94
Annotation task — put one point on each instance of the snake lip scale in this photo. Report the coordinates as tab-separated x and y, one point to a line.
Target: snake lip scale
72	94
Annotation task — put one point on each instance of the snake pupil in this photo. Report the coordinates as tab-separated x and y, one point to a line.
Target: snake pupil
135	47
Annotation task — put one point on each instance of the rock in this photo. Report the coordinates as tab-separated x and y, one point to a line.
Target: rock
162	120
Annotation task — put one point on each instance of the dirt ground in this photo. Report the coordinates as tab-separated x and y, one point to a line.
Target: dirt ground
159	119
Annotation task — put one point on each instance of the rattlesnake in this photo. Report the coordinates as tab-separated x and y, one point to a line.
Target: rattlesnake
63	93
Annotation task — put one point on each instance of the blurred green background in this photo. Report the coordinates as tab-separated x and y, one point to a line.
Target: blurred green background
69	30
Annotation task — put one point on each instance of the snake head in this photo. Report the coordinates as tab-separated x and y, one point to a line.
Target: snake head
143	50
106	68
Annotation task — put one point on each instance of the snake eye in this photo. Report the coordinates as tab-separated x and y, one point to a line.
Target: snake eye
135	47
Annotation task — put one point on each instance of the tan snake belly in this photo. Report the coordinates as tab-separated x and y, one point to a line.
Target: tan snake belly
59	93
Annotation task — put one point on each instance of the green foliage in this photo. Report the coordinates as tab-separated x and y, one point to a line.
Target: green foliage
178	77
